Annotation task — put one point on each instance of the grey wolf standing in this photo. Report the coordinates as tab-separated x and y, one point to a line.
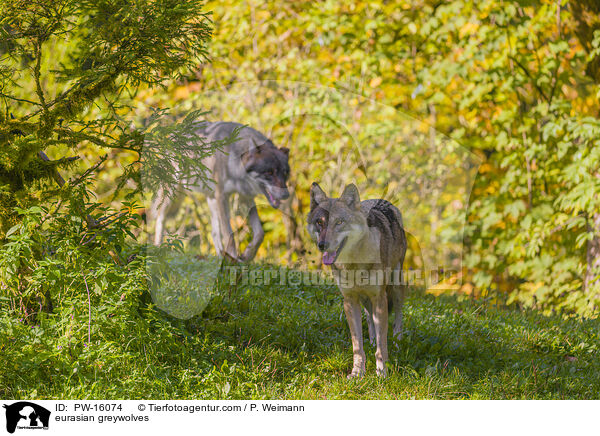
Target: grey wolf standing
365	244
250	166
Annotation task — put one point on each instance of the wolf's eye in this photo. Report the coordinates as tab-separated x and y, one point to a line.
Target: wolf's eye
338	223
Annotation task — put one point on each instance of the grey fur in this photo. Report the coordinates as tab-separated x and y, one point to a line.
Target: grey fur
362	238
242	168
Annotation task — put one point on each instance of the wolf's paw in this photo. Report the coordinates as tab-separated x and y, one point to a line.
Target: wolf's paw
356	372
382	372
245	258
397	338
232	259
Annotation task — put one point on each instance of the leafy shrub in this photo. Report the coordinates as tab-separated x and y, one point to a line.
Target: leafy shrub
181	284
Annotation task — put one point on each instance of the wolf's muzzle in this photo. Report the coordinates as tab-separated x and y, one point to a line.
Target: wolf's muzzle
275	194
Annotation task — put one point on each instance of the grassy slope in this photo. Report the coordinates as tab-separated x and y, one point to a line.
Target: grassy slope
292	342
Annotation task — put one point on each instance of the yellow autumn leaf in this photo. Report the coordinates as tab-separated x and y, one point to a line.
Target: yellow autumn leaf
263	15
181	92
468	29
375	82
485	168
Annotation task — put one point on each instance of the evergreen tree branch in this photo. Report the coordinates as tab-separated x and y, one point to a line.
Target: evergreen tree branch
21	100
91	222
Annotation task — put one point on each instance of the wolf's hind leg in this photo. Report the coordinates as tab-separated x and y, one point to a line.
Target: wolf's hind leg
370	324
161	204
380	319
215	231
397	295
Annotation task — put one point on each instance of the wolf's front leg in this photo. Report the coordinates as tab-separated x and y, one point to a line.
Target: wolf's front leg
353	316
221	226
380	319
258	234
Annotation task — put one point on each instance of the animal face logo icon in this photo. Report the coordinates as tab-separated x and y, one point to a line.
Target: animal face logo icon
25	414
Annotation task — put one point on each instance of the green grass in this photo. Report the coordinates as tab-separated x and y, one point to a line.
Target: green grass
292	342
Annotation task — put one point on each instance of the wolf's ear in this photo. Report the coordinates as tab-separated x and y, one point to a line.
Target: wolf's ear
316	195
253	150
350	196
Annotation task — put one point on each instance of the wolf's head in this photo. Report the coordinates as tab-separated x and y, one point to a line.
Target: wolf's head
335	224
268	167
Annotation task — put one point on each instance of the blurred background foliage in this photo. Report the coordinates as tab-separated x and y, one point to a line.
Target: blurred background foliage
479	120
338	137
509	89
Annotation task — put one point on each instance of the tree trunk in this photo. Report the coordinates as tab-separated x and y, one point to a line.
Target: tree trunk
292	209
591	281
587	16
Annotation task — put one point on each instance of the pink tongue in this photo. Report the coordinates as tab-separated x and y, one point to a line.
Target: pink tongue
272	200
328	258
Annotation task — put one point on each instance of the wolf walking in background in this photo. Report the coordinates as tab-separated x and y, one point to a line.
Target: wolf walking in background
250	166
365	244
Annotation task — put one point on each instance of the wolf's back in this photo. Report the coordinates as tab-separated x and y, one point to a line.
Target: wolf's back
387	219
221	130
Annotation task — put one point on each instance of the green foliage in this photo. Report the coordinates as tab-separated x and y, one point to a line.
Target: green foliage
333	117
65	67
412	95
181	284
51	255
506	81
514	75
291	342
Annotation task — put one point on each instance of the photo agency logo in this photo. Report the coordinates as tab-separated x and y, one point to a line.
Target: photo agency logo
25	415
252	199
